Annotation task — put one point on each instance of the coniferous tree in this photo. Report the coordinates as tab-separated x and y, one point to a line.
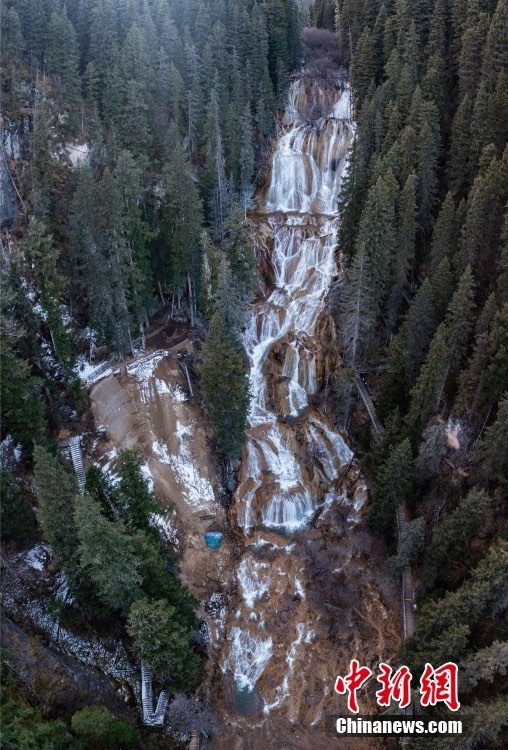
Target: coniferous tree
431	449
225	385
56	491
445	232
453	531
107	555
393	486
489	457
181	219
163	643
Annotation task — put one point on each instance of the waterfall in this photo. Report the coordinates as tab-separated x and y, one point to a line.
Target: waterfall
292	456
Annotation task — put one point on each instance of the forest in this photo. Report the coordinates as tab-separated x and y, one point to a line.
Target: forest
142	132
424	230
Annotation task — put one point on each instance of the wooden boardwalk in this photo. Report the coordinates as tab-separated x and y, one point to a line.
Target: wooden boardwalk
369	404
408	609
72	447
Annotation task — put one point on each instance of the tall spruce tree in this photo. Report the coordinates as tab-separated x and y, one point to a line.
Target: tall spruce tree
226	387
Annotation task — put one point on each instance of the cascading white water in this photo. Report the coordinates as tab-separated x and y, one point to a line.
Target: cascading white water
288	470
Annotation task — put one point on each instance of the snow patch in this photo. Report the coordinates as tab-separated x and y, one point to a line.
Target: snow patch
160	449
142	369
164	522
90	374
196	489
174	391
37	558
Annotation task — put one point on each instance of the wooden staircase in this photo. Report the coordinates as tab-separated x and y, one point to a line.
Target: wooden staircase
152	718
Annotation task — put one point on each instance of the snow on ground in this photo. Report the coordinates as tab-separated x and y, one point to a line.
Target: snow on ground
10	454
174	391
147	476
144	367
197	489
37	558
166	524
160	449
90	374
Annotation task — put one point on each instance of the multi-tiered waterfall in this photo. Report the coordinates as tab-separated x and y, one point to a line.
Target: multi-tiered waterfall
299	492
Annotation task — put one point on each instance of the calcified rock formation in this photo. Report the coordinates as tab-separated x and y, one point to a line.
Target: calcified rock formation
306	601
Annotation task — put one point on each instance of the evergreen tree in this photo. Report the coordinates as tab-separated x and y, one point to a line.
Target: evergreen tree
427	392
163	643
17	519
56	490
43	256
460	168
364	66
107	555
484	665
484	587
393	486
225	386
489	457
99	726
181	218
431	449
453	531
445	232
134	494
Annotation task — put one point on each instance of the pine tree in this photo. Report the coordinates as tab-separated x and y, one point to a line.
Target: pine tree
135	498
489	457
23	413
405	236
459	319
17	519
427	392
246	157
393	486
472	386
460	169
225	385
107	555
428	156
43	256
181	219
98	726
453	531
56	490
163	643
445	233
484	665
431	449
464	607
364	67
481	230
357	310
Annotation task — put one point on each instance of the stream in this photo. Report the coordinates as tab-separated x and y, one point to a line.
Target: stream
305	591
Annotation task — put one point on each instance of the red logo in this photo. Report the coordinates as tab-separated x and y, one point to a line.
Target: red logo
440	686
351	683
436	685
